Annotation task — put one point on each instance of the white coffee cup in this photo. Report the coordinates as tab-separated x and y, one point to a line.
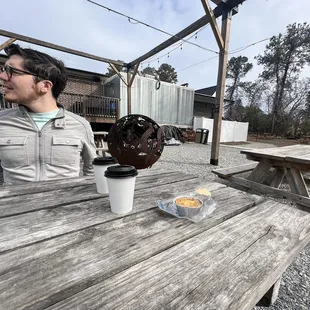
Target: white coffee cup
100	165
121	181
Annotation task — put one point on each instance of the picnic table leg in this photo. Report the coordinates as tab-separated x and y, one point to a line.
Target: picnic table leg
259	172
271	296
297	184
278	177
275	177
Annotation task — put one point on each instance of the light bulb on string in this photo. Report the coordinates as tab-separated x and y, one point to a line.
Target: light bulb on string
181	46
196	35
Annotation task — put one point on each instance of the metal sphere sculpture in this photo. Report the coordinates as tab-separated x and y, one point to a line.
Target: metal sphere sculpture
136	140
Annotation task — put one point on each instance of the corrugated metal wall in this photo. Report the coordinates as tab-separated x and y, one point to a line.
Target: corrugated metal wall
170	104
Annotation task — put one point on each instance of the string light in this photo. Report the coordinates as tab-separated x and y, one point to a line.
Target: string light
150	26
152	59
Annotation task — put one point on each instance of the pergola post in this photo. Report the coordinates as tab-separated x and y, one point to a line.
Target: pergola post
220	89
128	93
130	79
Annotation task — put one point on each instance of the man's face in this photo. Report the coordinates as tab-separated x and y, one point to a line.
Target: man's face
21	87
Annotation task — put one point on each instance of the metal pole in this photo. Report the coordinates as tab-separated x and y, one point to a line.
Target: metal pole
220	89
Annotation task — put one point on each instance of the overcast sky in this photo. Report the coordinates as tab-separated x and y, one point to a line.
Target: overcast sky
81	25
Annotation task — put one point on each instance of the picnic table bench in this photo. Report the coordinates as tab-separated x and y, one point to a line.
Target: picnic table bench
62	248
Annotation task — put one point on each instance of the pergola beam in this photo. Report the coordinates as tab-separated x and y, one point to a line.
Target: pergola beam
7	43
218	11
118	73
212	19
58	47
130	79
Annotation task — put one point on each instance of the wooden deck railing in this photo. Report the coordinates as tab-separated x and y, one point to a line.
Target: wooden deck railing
84	105
5	105
89	105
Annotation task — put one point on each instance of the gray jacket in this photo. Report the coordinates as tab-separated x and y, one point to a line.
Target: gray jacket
28	154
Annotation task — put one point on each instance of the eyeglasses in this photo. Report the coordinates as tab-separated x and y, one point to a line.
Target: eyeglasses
10	70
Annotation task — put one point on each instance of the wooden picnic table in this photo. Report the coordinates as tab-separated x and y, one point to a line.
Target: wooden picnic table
62	248
275	164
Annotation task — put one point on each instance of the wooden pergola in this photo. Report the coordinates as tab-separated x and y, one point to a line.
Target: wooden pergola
224	8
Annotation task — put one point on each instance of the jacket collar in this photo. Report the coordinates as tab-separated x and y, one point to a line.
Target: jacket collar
60	121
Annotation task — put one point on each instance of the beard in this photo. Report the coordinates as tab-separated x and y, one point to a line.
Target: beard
23	99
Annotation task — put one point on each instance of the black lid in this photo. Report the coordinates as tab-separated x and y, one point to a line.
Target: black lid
103	161
121	171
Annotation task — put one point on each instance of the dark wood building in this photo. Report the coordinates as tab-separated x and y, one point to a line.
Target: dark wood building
204	102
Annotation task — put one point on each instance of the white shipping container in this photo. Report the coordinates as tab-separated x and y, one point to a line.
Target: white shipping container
170	104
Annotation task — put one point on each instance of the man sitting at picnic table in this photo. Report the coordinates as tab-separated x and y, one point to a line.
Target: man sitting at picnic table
40	140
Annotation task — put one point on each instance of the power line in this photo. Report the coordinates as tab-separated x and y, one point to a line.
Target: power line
234	51
130	19
198	63
237	50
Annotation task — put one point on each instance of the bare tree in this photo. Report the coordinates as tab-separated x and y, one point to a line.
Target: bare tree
283	60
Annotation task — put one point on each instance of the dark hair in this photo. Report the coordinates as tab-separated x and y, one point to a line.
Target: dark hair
43	65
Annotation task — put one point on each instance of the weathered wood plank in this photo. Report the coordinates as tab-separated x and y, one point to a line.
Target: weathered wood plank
278	152
259	173
230	266
298	154
20	230
302	159
296	182
76	194
265	189
39	187
271	296
270	176
225	172
278	177
283	163
46	272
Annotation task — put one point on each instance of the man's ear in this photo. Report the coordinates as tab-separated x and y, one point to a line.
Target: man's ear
45	86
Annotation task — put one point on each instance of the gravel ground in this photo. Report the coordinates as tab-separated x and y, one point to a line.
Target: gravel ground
194	159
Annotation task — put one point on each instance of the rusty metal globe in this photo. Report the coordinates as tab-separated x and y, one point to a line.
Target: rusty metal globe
136	140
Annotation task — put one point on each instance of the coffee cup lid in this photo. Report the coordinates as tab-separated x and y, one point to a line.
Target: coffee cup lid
103	161
121	171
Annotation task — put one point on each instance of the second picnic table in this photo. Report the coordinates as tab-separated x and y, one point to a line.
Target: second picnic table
275	164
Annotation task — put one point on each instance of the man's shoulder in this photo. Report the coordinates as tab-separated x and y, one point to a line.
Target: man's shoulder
8	112
77	118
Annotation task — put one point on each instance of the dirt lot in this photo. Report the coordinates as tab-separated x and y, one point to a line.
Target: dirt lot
275	141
